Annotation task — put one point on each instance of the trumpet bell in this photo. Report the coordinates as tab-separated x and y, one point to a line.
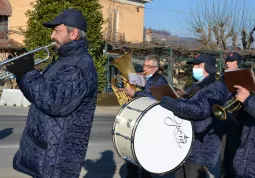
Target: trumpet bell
219	112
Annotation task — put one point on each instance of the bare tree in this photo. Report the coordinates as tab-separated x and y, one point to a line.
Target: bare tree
221	22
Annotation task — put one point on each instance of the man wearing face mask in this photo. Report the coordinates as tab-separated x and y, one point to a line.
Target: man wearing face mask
196	105
153	78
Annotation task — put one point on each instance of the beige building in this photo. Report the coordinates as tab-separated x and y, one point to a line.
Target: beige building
124	20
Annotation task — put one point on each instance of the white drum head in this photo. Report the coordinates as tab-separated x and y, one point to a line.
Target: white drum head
162	141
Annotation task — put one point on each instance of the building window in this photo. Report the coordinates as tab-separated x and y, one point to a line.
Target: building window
3	27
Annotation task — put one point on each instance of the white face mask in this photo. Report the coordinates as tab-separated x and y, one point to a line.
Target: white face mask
198	73
148	76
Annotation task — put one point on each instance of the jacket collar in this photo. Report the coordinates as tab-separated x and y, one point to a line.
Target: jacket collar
207	80
198	86
73	47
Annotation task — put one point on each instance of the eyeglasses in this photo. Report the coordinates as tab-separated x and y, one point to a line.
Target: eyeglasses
148	66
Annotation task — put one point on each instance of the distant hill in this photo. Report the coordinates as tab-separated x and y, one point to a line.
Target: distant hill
163	36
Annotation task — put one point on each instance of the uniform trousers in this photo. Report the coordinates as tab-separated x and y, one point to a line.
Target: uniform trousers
133	171
191	170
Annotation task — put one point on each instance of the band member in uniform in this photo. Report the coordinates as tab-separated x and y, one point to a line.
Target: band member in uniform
244	160
196	105
153	78
233	126
233	61
63	102
151	75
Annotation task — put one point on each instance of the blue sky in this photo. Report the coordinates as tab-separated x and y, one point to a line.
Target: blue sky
168	15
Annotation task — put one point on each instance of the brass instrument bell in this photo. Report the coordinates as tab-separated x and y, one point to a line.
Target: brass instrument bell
221	111
125	66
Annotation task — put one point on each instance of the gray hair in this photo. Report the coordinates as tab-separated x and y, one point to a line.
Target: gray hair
81	34
154	58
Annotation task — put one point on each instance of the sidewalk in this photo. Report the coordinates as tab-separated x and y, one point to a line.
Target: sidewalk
107	111
100	110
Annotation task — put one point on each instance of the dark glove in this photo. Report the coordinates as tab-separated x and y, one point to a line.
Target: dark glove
22	65
169	103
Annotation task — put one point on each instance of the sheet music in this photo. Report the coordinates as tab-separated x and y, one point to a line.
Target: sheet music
242	77
136	79
230	70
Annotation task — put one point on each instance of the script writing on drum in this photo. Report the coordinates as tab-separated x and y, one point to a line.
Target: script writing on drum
179	134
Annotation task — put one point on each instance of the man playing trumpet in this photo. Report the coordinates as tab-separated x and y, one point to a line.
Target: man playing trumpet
234	124
63	101
244	160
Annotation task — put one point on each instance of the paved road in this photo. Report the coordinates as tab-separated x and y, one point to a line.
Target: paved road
12	123
101	159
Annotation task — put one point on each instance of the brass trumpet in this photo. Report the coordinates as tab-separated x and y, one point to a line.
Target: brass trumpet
38	61
221	111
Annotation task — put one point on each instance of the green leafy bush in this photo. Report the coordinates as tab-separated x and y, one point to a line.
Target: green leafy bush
44	10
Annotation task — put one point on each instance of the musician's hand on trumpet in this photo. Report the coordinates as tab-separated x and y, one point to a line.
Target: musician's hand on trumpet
242	93
23	65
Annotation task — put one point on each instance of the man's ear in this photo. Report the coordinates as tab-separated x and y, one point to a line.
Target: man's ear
74	35
156	69
205	73
236	64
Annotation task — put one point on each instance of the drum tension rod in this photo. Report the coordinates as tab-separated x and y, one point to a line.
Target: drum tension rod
119	134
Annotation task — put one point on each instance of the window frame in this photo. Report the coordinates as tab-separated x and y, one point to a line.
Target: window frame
4	27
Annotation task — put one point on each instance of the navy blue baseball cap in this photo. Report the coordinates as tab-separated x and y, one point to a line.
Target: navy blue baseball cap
203	58
206	58
69	17
233	57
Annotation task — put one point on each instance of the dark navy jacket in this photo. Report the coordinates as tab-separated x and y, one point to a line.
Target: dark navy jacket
198	107
63	102
155	80
244	161
233	129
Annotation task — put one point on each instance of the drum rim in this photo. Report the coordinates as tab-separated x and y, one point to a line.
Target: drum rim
135	127
133	137
114	124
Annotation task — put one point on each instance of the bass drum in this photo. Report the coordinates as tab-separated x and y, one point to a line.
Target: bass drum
150	136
